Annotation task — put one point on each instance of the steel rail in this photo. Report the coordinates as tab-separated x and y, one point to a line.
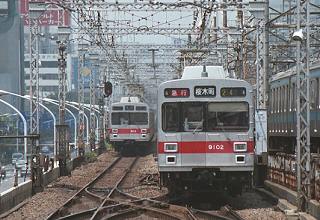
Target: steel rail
207	215
56	213
233	213
97	212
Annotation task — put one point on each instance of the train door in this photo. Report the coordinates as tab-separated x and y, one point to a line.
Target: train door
169	137
193	136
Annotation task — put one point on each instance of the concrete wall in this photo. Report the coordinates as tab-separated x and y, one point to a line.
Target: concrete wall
51	176
291	196
14	196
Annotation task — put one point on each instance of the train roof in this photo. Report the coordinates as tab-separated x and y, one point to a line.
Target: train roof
195	72
204	81
132	100
129	99
292	72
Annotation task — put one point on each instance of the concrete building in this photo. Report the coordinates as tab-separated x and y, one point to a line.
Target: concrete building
11	52
48	50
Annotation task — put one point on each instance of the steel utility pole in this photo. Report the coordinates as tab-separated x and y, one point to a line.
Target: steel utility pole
153	62
35	11
303	103
92	140
101	108
62	128
82	47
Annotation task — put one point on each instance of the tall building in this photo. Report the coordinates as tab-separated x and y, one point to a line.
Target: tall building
11	52
48	49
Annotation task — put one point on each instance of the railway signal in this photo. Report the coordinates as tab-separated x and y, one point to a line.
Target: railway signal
107	89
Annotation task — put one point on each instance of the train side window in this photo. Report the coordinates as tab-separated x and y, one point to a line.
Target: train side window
274	100
290	97
318	92
294	89
170	117
281	99
313	93
271	100
285	98
193	116
277	103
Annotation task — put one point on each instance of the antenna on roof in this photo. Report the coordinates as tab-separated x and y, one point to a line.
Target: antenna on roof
204	72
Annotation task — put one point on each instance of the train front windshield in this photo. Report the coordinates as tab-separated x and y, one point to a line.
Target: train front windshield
129	118
205	116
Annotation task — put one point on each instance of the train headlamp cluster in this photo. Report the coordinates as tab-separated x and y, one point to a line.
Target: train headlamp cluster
240	146
114	131
170	147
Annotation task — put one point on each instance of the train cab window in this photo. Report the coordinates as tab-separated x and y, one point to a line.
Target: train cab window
170	117
138	118
120	118
228	116
192	116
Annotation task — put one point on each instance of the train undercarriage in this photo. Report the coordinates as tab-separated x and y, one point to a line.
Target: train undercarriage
132	147
206	180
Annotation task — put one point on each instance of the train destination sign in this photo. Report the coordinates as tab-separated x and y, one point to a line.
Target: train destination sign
233	92
176	92
204	91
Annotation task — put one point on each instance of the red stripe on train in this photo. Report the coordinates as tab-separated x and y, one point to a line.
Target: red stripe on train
129	130
206	147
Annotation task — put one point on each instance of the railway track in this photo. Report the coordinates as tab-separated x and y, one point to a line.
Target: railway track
103	198
92	195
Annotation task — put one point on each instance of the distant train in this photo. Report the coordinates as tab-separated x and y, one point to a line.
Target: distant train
282	111
131	124
205	131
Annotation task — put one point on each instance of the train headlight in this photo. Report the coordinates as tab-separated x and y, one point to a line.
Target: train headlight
170	147
240	146
114	131
143	131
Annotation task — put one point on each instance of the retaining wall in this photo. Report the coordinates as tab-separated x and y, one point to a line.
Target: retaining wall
12	197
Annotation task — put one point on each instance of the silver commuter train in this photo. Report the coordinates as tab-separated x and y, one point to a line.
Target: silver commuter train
205	131
131	123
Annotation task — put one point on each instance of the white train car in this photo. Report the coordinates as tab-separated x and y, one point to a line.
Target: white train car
131	124
205	131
